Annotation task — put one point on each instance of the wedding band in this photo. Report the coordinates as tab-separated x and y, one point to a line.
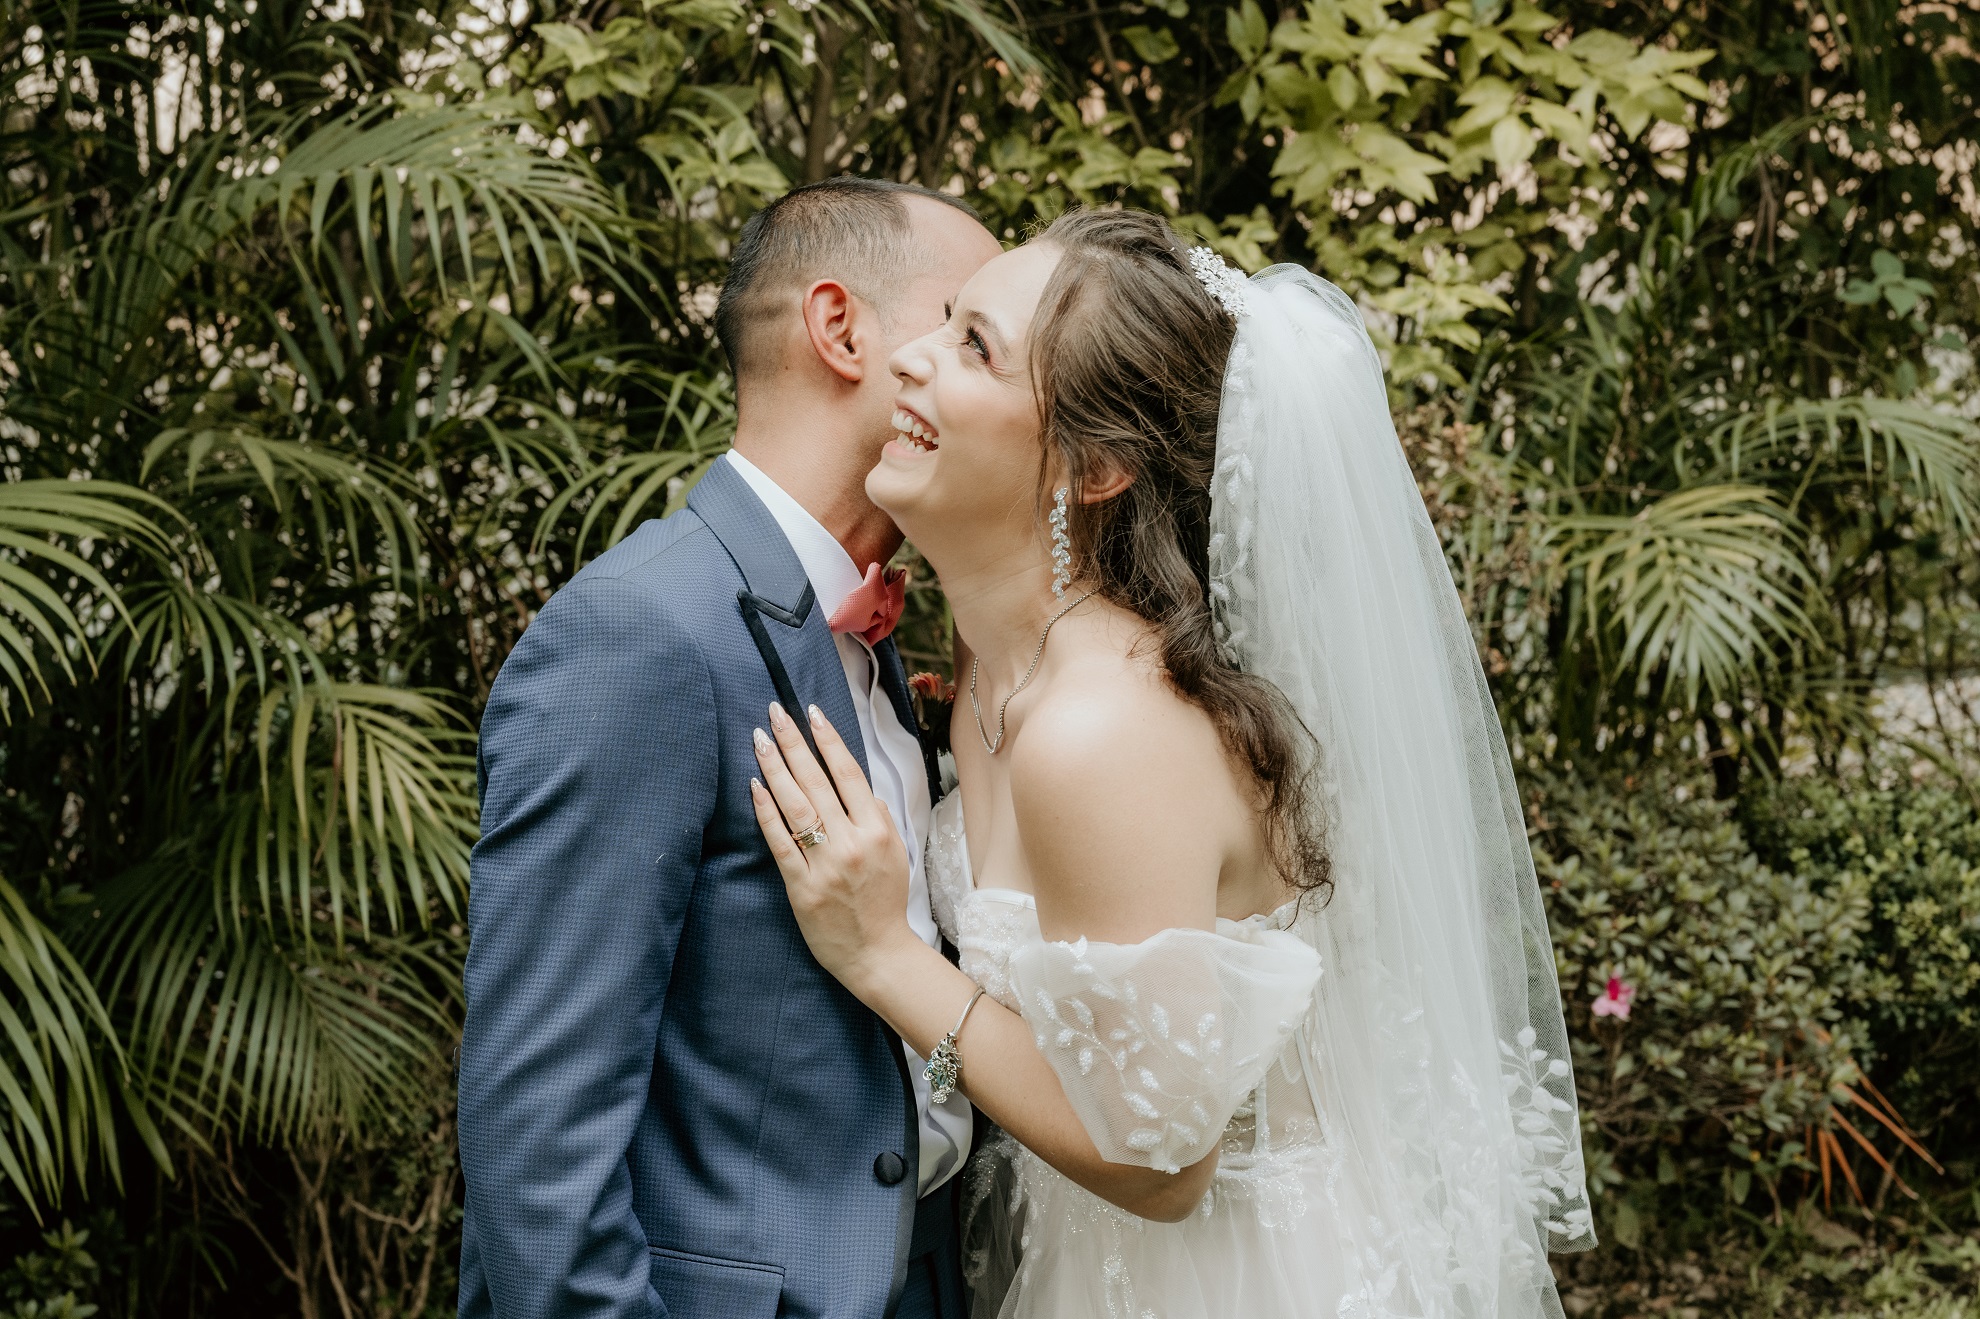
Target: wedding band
810	838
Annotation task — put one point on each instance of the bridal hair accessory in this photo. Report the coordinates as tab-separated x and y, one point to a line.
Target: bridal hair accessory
944	1069
1227	286
1036	655
1061	545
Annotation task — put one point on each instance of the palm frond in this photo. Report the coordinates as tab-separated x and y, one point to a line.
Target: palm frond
1697	582
697	422
1002	37
368	499
459	176
1939	451
229	1021
366	796
176	621
458	171
59	1061
35	518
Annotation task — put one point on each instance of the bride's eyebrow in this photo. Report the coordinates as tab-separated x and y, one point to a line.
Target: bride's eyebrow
976	320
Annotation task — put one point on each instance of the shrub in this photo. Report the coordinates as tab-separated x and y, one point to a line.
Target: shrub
1916	847
51	1283
1739	1033
1807	947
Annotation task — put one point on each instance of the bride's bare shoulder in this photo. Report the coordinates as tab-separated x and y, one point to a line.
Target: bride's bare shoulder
1105	709
1126	806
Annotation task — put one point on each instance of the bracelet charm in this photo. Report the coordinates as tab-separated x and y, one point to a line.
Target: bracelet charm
944	1070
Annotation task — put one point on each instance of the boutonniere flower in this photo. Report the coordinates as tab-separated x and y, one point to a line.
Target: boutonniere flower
934	702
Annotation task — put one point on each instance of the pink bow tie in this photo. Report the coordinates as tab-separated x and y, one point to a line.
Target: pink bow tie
875	605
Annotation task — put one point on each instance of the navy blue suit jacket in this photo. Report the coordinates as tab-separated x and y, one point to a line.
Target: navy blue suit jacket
667	1107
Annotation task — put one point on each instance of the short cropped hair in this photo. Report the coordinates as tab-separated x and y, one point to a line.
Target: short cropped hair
850	229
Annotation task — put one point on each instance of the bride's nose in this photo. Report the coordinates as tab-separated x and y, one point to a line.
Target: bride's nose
912	362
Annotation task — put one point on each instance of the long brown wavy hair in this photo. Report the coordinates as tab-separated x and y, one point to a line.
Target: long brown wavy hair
1127	357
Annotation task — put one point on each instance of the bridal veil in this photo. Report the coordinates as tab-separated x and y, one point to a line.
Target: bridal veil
1437	1042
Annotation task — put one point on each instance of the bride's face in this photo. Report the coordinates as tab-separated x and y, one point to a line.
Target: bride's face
964	467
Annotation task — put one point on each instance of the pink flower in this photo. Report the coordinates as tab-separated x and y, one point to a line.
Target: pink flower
1614	1000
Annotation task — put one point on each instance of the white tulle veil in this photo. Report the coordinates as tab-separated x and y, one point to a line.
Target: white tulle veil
1438	1045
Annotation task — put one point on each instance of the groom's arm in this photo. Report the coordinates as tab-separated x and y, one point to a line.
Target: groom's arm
599	770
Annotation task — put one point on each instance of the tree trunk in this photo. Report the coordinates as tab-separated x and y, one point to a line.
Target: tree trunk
1723	759
822	126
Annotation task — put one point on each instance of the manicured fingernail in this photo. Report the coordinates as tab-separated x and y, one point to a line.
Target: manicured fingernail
755	787
817	715
777	715
763	742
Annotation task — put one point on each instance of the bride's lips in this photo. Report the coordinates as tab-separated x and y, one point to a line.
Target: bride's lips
912	431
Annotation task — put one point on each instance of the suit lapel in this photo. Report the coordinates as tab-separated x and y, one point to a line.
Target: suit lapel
893	677
778	606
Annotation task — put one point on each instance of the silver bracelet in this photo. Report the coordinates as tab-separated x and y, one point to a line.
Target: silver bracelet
944	1069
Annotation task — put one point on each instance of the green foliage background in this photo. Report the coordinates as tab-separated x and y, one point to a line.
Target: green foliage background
334	337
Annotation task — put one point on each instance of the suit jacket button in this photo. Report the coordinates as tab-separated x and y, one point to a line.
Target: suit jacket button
890	1168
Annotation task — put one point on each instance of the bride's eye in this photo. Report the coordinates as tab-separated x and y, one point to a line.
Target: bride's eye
977	346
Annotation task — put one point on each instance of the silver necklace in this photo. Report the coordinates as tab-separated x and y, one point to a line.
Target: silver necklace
1036	655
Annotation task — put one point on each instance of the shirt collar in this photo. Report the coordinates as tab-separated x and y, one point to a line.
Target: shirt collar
825	561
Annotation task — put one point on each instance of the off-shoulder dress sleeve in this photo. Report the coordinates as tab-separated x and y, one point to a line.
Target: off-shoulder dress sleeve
1157	1043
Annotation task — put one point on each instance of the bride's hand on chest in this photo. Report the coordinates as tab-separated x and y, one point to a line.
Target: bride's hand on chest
836	846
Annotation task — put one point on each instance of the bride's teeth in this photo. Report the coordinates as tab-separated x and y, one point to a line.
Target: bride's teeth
914	431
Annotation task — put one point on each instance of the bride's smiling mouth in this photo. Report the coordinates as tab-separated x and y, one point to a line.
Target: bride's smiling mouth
913	432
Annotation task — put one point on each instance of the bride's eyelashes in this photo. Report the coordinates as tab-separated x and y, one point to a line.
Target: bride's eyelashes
970	338
973	338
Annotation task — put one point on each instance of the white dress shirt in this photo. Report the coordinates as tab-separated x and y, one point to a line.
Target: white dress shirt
898	775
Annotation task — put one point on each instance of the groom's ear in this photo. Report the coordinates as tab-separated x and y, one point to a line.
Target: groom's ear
1106	480
833	327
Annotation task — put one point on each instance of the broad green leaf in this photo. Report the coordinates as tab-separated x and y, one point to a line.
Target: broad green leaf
1245	29
1343	86
1512	142
1156	45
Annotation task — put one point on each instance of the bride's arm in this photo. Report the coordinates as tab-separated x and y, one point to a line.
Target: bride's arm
920	993
850	897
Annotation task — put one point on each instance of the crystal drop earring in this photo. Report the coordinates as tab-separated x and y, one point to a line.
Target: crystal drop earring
1061	545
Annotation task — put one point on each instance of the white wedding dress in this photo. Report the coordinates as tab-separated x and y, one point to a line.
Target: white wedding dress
1165	1048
